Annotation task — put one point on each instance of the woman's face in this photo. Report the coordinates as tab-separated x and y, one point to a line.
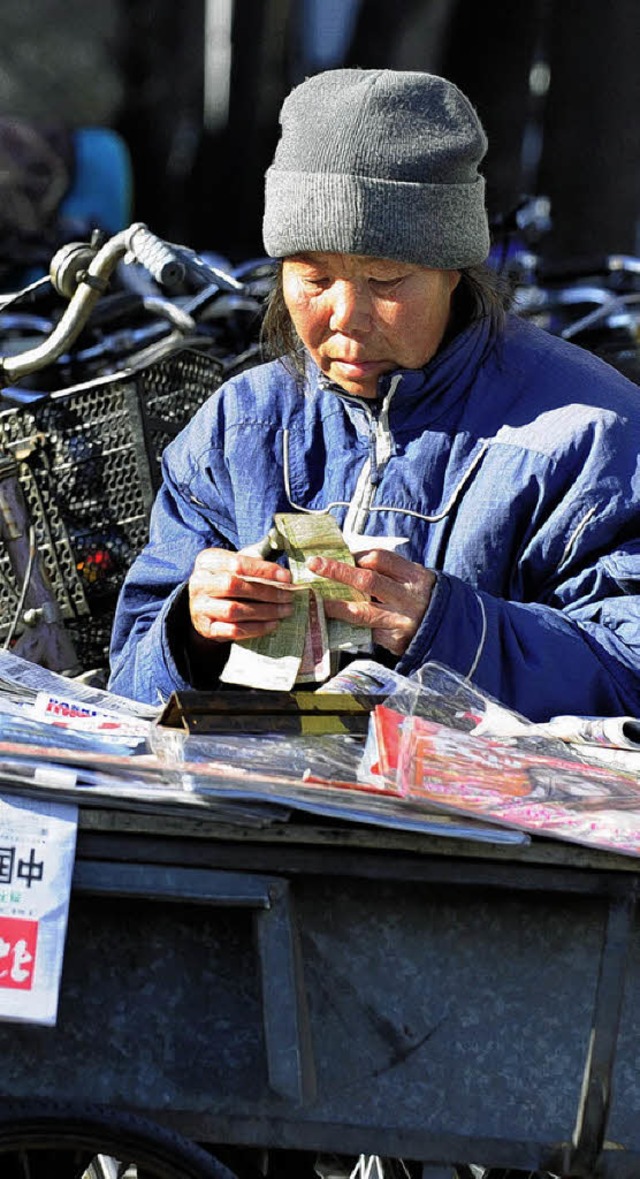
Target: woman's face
361	317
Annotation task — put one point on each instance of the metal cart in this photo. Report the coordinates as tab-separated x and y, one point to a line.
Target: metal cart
346	990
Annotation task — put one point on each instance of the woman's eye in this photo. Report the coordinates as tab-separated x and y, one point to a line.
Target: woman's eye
314	283
385	284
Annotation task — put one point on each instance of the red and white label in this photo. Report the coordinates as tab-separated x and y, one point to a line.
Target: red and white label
18	941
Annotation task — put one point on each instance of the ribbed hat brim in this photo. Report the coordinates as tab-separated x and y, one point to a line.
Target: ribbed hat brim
443	226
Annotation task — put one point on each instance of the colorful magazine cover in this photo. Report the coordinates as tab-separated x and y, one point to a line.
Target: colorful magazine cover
500	783
441	742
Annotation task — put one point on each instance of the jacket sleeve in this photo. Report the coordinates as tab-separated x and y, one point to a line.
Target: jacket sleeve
148	641
566	638
538	660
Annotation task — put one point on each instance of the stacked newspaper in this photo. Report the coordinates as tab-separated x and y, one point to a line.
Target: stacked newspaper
60	739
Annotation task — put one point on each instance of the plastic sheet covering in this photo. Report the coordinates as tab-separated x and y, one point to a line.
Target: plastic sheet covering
442	742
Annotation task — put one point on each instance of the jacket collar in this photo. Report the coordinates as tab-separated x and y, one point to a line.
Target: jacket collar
451	370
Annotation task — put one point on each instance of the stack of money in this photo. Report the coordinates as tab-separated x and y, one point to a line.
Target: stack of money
306	647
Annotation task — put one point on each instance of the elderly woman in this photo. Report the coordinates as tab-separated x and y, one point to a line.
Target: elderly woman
408	404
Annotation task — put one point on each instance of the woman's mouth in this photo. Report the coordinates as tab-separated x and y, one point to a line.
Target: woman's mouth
362	367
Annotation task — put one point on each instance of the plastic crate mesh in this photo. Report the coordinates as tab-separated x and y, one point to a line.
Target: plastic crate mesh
88	467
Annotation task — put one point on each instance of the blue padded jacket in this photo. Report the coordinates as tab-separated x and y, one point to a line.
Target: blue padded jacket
511	464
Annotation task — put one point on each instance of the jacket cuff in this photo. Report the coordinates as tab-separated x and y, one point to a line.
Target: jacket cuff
165	671
452	632
418	651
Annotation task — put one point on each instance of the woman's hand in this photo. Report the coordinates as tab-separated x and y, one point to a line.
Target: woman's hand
400	592
227	608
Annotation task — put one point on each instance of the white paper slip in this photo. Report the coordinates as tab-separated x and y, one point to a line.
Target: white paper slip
358	542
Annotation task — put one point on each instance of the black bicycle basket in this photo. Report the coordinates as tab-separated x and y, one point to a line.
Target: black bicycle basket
88	466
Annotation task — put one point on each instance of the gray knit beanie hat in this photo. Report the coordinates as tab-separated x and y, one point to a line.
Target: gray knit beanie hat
378	162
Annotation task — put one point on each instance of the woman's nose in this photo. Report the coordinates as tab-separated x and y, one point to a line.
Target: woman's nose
350	307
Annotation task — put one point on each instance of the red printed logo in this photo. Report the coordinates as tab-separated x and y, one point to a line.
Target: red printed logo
18	940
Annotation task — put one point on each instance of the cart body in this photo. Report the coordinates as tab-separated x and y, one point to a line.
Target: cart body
345	991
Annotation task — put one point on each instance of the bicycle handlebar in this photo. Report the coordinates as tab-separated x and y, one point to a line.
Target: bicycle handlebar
70	272
155	255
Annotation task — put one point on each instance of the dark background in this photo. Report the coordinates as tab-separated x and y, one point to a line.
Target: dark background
556	83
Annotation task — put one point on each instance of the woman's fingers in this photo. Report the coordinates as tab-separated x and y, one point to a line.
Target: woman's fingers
234	597
221	574
391	629
231	620
399	593
386	577
232	632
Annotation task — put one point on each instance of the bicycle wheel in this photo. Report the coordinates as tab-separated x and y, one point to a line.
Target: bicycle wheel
60	1141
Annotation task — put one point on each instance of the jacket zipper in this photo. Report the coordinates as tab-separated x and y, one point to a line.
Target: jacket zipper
381	450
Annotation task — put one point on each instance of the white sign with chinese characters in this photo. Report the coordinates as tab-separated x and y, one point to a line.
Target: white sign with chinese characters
37	852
